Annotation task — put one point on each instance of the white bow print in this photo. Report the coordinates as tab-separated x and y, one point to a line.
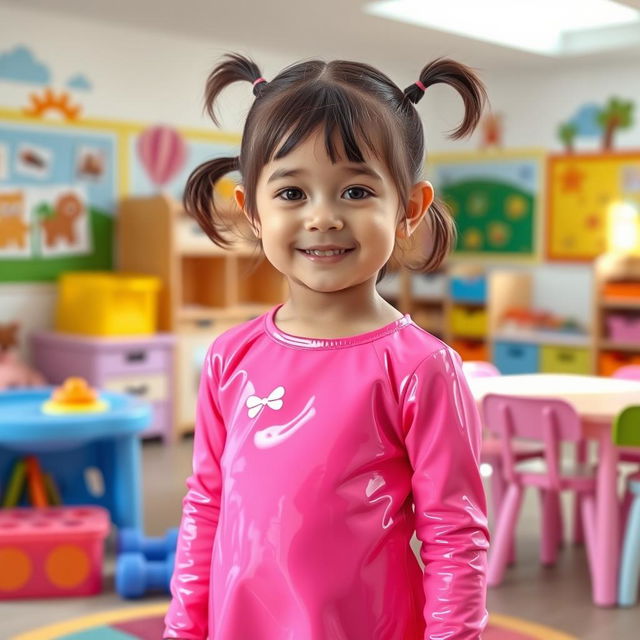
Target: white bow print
273	401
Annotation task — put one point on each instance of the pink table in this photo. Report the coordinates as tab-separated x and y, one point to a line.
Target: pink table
597	401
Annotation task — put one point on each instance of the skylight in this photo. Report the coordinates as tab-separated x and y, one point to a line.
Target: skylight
538	26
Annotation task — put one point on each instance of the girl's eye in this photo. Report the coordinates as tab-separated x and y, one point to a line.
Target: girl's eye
291	194
358	193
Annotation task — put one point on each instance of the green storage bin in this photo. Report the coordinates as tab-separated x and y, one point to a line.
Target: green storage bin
554	359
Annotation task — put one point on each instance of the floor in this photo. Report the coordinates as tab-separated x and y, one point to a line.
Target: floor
558	597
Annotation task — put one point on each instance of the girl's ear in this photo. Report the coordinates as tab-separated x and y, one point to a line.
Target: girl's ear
239	195
420	200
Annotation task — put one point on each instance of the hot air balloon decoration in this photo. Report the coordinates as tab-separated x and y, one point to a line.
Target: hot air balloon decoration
162	152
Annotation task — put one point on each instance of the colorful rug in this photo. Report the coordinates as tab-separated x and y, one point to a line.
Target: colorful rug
146	623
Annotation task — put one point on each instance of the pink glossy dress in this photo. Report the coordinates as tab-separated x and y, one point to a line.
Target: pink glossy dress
309	457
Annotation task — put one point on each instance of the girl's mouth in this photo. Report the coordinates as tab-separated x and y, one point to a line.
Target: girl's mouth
325	256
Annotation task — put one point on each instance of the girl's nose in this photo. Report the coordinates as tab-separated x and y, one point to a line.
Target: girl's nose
323	219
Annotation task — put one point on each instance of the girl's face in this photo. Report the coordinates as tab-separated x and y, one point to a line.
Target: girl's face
326	227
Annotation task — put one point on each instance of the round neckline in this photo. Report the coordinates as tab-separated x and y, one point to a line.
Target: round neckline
301	342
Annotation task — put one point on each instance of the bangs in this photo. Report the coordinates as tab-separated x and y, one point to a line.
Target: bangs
346	117
355	124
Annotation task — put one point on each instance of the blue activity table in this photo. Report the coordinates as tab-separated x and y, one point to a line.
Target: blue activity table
93	457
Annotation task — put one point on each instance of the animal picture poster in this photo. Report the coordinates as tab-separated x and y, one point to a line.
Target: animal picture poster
58	194
582	190
495	199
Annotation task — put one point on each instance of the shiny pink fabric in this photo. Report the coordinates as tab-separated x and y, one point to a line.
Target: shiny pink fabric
308	458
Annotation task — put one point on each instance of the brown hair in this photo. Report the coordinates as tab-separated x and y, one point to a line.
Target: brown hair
351	99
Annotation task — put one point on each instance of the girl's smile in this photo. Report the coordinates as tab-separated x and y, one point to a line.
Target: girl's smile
326	253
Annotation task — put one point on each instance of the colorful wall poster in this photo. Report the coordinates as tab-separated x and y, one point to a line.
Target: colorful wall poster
582	189
60	183
56	208
495	199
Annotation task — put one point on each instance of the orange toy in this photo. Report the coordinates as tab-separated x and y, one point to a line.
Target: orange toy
74	396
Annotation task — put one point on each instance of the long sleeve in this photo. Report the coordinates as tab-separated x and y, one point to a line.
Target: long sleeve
442	437
188	613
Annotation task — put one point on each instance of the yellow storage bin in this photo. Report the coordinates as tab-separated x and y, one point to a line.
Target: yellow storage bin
103	303
555	359
469	322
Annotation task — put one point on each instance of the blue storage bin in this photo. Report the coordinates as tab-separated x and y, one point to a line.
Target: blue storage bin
469	289
516	357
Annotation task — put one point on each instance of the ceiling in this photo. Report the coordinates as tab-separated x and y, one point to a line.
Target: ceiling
326	28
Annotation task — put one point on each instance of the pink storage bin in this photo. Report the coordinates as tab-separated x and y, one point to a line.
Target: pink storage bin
624	327
52	551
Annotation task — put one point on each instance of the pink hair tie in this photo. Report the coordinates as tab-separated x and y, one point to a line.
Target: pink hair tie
255	82
421	86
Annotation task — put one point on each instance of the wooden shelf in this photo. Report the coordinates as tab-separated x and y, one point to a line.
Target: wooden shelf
544	337
434	302
620	346
621	303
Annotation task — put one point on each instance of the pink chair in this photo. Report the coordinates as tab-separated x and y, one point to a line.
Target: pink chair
548	422
491	451
479	369
628	372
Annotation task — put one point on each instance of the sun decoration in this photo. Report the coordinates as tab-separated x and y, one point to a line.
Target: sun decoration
50	102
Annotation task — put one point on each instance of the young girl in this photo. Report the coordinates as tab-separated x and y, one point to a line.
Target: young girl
332	427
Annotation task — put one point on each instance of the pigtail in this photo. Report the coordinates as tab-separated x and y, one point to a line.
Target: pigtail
463	80
439	229
198	199
442	235
234	69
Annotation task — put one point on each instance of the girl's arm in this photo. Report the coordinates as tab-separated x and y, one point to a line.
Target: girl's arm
443	435
188	613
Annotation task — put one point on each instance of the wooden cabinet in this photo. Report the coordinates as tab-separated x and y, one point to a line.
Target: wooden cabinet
205	289
616	312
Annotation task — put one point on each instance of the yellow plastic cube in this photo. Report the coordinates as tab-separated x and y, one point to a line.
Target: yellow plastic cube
103	303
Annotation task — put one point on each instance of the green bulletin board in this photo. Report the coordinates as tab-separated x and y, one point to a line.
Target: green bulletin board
495	198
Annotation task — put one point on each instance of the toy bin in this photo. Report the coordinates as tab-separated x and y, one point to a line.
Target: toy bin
513	358
107	304
469	322
624	327
610	361
558	359
52	551
469	289
471	350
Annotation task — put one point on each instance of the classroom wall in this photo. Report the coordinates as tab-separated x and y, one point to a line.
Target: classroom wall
137	75
152	76
148	76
